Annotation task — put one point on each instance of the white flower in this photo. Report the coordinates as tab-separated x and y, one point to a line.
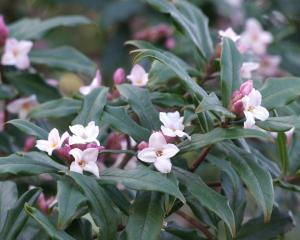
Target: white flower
247	68
85	90
255	38
269	65
16	53
229	33
159	153
85	160
54	141
138	76
83	134
173	124
22	106
253	108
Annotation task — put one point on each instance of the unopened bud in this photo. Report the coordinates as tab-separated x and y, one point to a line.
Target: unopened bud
119	76
29	144
142	145
246	87
3	31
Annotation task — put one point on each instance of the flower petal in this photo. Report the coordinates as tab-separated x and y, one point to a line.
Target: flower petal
77	129
90	154
260	113
147	155
92	168
54	137
157	140
168	131
77	154
75	167
163	165
169	150
250	121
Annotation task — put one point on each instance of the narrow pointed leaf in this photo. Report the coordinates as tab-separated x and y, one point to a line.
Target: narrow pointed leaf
29	128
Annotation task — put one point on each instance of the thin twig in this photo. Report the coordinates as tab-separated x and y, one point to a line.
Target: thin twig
196	224
201	158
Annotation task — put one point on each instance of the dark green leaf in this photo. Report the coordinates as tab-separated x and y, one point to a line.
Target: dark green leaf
151	181
69	200
29	164
207	197
283	152
146	219
35	28
280	124
280	223
167	99
16	217
56	108
45	223
140	102
92	108
7	92
183	233
32	84
100	205
277	92
118	118
219	134
192	21
29	128
231	62
66	58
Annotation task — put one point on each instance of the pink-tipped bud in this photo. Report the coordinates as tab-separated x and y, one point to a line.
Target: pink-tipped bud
29	144
3	31
246	87
63	153
142	145
119	76
170	43
43	204
238	108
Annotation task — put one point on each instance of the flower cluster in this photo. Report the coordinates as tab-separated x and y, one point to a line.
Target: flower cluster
157	150
247	102
81	148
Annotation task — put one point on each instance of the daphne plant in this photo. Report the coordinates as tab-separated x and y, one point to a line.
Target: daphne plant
193	141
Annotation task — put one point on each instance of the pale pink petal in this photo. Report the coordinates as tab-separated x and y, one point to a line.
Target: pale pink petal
54	137
77	154
168	131
92	168
169	150
163	165
147	155
75	167
77	129
157	140
42	145
250	121
255	98
90	154
97	79
76	140
15	106
260	113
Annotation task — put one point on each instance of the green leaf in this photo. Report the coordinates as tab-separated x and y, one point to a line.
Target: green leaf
283	152
212	103
35	28
140	102
29	164
32	84
100	205
56	108
277	92
118	118
7	92
70	200
231	62
183	233
45	223
66	58
167	99
191	20
280	223
29	128
146	219
257	179
173	62
280	124
217	135
151	181
8	198
92	108
16	217
207	197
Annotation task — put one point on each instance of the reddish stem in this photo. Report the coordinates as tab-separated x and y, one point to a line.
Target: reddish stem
201	158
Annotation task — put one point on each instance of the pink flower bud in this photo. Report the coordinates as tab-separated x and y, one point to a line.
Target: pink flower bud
29	144
3	31
238	107
44	204
246	87
119	76
170	43
2	120
63	153
142	145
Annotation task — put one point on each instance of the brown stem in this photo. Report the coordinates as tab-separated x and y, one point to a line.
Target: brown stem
196	224
201	158
127	157
214	184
